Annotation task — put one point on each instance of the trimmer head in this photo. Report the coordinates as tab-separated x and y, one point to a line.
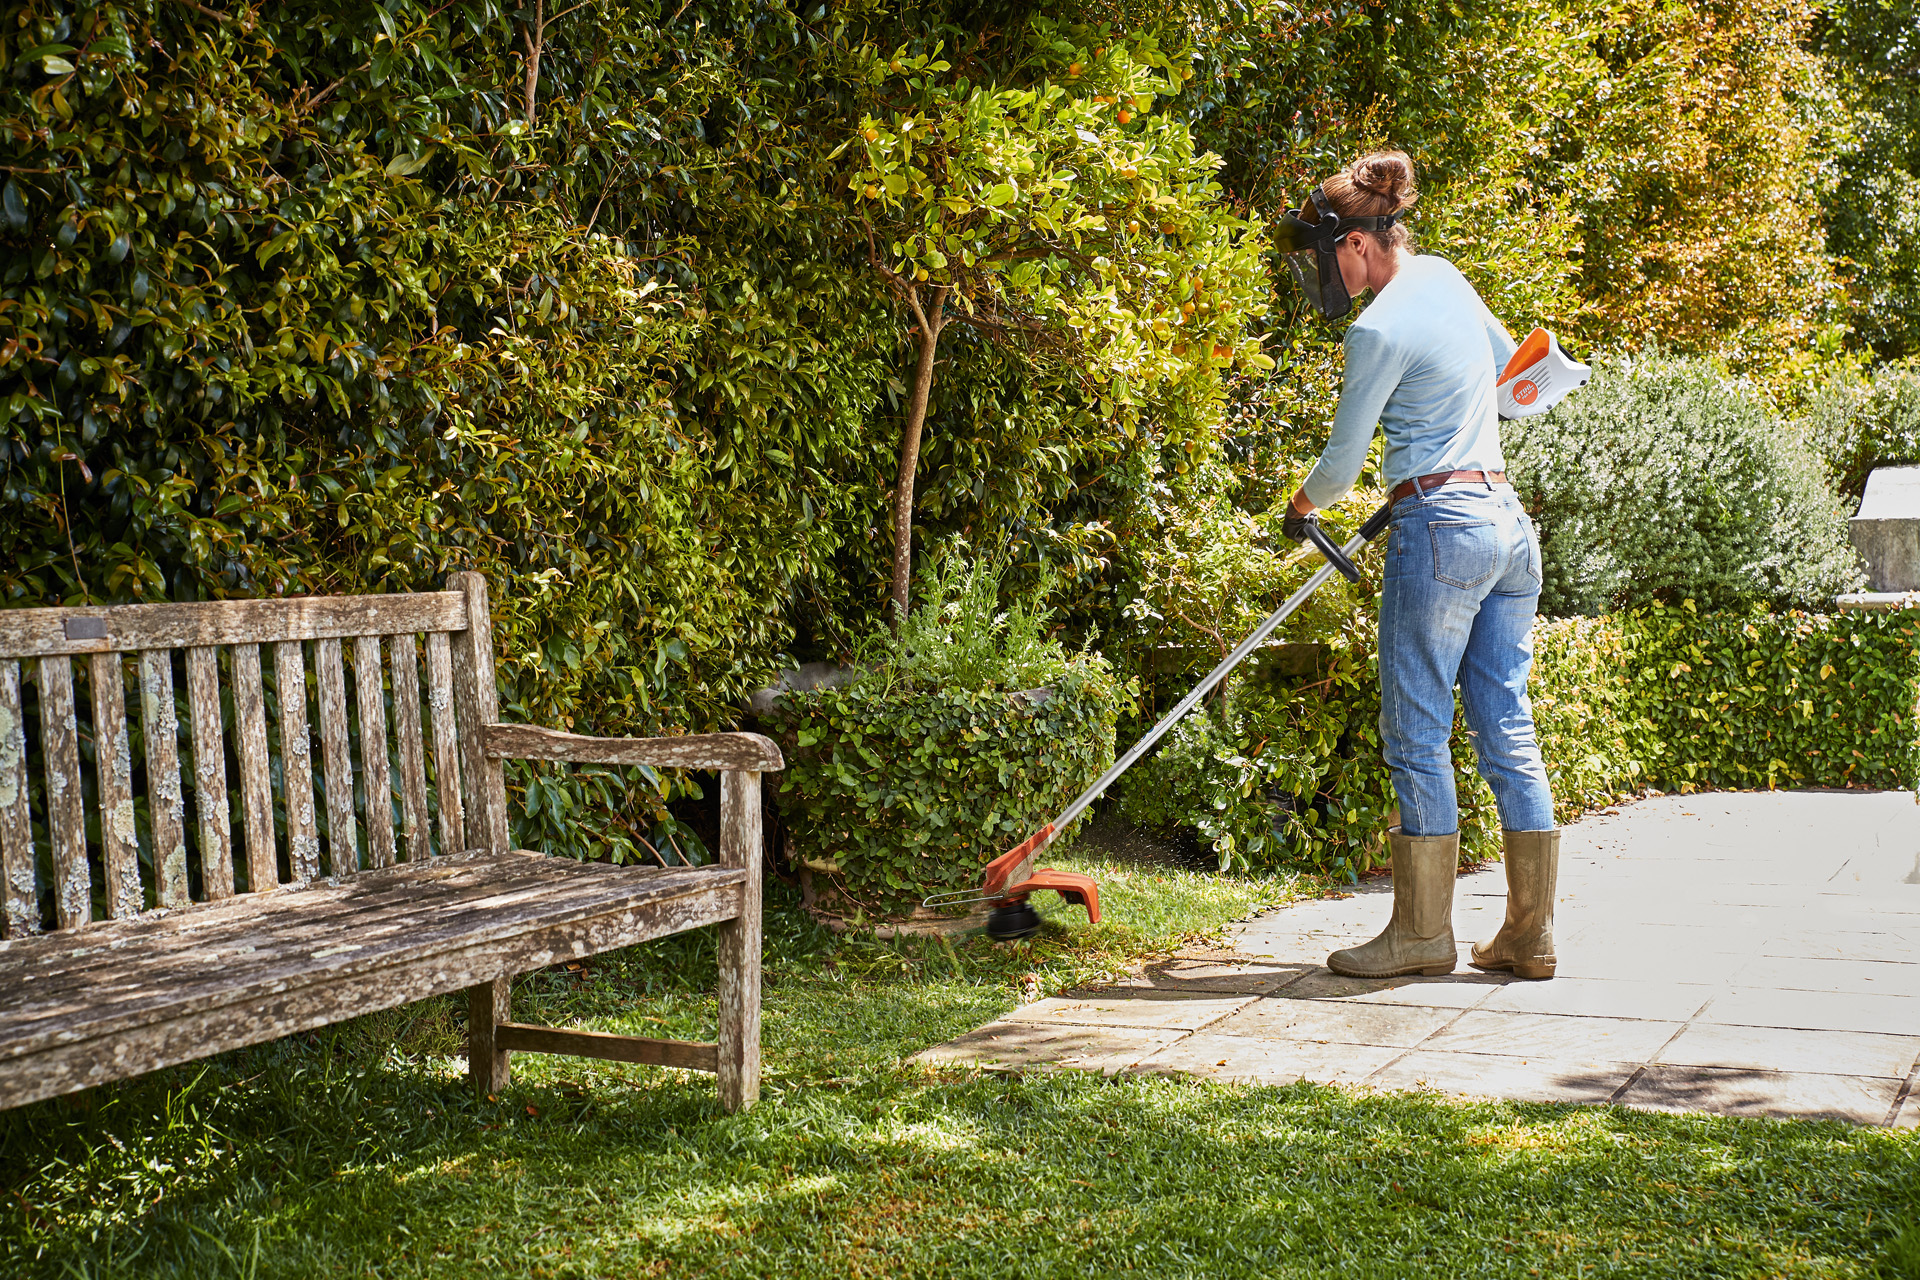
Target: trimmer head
1013	920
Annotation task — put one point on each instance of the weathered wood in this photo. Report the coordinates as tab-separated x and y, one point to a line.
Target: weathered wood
209	624
478	698
694	751
403	660
522	1037
166	811
210	772
113	769
122	974
18	885
336	759
66	820
296	761
198	1029
376	779
256	776
740	840
488	1005
446	742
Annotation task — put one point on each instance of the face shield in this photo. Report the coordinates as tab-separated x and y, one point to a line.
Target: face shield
1310	251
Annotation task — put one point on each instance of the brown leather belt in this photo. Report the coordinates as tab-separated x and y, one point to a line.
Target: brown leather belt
1421	484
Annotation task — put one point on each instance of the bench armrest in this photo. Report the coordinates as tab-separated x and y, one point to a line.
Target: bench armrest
748	751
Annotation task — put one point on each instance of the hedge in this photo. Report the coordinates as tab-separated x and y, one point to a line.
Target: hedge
893	793
1669	698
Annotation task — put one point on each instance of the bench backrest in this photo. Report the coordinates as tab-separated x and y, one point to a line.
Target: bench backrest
93	826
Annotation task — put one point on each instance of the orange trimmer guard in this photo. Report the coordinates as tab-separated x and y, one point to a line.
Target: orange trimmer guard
1070	885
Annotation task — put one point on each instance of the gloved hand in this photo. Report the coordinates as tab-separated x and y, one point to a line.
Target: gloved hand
1295	524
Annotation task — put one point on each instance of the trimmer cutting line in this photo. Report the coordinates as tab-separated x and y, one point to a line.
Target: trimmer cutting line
1011	877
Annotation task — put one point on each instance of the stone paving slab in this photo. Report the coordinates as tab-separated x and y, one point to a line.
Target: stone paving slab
1730	953
1007	1044
1731	1092
1499	1076
1211	1055
1158	1010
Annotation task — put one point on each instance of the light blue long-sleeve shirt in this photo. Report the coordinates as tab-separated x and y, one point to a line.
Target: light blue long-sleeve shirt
1421	362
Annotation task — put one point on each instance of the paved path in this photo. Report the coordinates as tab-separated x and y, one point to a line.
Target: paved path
1751	954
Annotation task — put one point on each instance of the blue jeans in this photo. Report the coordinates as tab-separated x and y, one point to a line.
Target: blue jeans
1457	606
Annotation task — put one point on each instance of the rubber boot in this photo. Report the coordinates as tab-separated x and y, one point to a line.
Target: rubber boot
1419	938
1525	941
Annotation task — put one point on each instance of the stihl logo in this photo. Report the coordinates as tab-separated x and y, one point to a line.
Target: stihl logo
1525	392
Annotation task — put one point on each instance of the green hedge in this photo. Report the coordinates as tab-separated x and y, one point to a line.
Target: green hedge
1774	700
1669	698
891	793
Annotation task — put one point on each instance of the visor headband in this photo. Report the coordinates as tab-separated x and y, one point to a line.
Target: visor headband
1293	234
1340	227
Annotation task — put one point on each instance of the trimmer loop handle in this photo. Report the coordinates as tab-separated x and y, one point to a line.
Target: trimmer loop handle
1331	550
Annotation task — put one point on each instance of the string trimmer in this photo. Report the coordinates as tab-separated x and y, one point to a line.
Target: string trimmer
1011	877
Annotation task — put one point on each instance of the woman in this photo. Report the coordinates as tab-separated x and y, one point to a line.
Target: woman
1462	574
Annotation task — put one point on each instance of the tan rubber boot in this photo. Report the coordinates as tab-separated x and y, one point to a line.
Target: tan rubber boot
1419	938
1525	942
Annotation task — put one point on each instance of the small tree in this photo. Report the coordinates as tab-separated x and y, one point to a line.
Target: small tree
1063	216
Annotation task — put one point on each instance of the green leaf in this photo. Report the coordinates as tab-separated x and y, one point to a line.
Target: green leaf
403	165
15	205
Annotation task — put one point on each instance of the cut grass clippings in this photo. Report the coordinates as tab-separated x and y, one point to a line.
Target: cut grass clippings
358	1151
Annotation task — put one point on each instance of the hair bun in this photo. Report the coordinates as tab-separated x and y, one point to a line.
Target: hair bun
1387	175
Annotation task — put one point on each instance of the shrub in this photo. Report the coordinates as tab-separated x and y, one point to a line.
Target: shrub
1860	424
1769	700
1663	480
1589	727
943	753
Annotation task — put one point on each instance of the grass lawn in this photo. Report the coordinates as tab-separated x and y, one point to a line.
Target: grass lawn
358	1151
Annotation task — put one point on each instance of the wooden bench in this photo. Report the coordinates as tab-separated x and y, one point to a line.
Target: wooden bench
149	920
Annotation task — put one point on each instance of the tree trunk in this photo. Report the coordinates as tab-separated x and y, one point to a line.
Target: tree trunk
536	37
931	321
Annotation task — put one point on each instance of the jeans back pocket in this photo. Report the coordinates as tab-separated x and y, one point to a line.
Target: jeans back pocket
1465	552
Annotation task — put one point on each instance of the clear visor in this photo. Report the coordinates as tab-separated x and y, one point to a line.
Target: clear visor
1305	273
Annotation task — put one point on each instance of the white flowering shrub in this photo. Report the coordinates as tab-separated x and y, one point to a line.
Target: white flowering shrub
1663	480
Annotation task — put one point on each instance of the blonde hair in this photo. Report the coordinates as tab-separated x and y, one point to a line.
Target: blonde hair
1378	183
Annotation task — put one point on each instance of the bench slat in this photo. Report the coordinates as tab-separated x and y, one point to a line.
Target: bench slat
343	856
113	765
446	741
256	777
160	725
746	751
210	772
296	760
403	661
66	820
42	632
22	913
523	1037
477	697
376	779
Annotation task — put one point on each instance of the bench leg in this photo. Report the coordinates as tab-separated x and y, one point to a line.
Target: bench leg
487	1007
739	1058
